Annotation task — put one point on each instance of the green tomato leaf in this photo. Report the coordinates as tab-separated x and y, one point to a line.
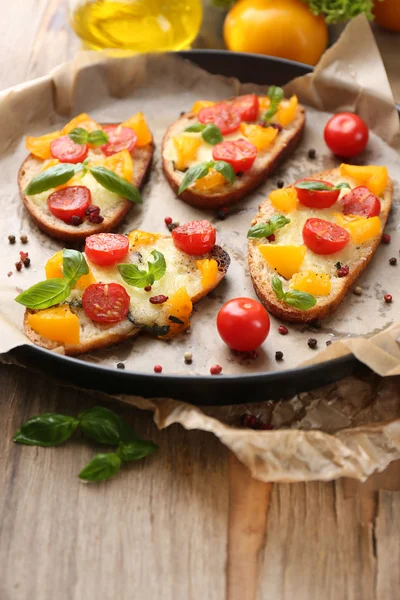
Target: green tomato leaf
134	276
116	184
157	267
101	467
52	177
45	294
74	265
101	425
79	135
264	230
300	300
195	172
277	286
136	450
225	169
49	429
97	138
196	127
212	135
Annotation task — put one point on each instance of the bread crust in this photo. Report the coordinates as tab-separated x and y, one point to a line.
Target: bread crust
325	306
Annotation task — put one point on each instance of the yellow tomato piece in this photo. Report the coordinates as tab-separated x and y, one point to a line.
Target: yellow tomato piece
178	305
287	111
284	200
75	180
141	238
264	103
54	269
186	150
317	284
374	177
197	106
83	120
40	146
50	163
57	323
362	230
261	137
287	260
120	163
211	180
209	271
139	125
342	219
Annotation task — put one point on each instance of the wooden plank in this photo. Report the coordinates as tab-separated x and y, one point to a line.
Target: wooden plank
388	546
158	530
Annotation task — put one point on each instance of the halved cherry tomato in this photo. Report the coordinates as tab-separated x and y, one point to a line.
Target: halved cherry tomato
346	134
67	151
106	302
119	138
324	237
243	324
69	202
225	117
241	154
195	237
360	201
317	198
247	107
106	249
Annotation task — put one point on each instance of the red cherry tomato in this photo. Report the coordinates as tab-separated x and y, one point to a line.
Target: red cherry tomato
247	107
119	138
225	117
243	324
195	237
241	154
360	201
346	134
106	249
69	202
323	237
317	198
106	302
67	151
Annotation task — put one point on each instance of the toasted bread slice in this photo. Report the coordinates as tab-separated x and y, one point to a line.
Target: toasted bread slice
357	258
266	163
98	335
113	215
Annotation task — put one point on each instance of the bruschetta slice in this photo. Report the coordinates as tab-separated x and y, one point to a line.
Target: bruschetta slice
78	204
311	240
217	153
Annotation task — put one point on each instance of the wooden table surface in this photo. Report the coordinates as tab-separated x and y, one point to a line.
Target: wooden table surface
188	523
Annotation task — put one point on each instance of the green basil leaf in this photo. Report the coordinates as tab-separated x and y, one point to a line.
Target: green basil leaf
134	276
196	127
45	294
101	467
79	135
342	186
116	184
74	265
300	300
157	267
313	186
136	450
262	230
97	138
50	178
225	169
212	135
195	172
49	429
157	330
101	424
275	94
277	286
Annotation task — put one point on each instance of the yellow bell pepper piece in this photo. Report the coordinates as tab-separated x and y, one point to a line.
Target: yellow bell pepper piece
57	323
261	137
83	120
287	260
374	177
284	200
139	125
141	238
54	269
264	103
40	146
287	111
209	271
120	163
178	305
197	106
186	150
209	181
362	230
316	284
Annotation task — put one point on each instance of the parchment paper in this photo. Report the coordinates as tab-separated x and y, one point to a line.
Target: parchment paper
163	86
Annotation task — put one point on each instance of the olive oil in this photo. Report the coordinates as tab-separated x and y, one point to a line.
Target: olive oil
137	25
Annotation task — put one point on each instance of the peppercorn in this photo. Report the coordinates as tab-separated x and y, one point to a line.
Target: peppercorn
249	421
168	220
27	262
283	330
393	261
239	174
279	355
158	369
357	291
274	126
388	298
312	343
76	220
215	369
173	225
92	210
147	288
386	238
271	238
18	265
188	358
24	239
328	342
222	213
343	271
312	153
280	183
317	324
95	218
23	255
120	365
160	299
11	239
253	354
9	273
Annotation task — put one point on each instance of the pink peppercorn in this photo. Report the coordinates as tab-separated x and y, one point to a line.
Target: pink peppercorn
388	298
215	369
168	220
158	369
386	238
271	238
9	273
343	271
283	330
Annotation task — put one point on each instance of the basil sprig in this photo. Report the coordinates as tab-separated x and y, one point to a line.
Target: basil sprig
320	186
201	170
53	291
52	177
264	230
94	138
140	278
295	298
275	94
49	429
116	184
210	133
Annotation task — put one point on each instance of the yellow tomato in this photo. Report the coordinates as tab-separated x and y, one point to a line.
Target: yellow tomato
387	14
284	28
